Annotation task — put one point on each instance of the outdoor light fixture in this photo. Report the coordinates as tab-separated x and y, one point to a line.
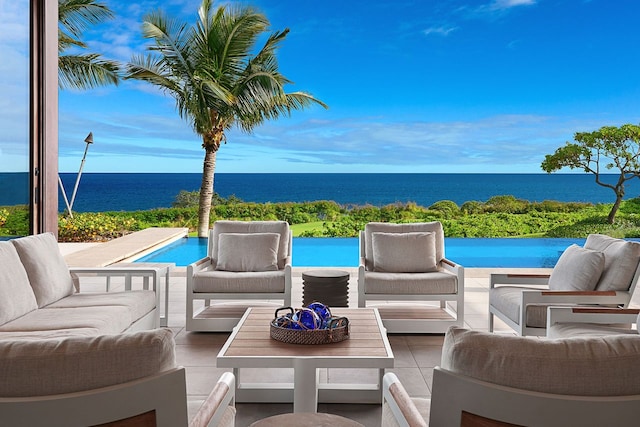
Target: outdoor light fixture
88	140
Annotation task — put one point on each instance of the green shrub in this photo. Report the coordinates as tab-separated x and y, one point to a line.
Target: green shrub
448	208
93	227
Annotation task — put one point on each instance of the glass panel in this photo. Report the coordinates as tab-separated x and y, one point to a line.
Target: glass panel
14	118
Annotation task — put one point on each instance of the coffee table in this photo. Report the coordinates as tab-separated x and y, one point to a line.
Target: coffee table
250	346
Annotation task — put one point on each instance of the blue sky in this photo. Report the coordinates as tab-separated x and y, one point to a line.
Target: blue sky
413	86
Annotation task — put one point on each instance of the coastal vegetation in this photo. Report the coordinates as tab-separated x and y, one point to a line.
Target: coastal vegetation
599	152
217	77
500	216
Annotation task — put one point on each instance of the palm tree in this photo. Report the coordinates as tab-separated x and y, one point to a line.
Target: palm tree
216	80
82	71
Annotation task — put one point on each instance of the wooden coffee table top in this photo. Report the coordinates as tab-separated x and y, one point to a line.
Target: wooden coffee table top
251	339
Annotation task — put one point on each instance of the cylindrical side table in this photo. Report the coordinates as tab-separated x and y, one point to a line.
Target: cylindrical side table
304	419
330	287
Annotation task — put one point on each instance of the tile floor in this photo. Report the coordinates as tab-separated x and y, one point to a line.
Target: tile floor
415	355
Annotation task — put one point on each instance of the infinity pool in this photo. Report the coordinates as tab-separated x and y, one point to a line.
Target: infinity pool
343	252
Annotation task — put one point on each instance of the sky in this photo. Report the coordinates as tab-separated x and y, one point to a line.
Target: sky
424	86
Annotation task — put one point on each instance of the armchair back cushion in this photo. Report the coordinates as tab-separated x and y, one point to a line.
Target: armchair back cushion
16	294
248	251
385	227
577	269
621	258
583	366
413	252
279	227
57	366
48	272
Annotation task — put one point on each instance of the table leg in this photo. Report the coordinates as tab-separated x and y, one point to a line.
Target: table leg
305	386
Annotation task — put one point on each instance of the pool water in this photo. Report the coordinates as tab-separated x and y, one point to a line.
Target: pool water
343	252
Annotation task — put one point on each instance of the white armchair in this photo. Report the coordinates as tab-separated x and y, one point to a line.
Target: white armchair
502	380
406	262
248	261
604	272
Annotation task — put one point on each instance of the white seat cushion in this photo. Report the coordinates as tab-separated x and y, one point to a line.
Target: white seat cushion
244	282
433	283
138	302
507	300
568	330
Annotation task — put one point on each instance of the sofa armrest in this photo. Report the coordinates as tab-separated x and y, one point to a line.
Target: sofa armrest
218	409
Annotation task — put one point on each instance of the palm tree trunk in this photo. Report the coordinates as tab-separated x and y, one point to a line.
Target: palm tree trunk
206	192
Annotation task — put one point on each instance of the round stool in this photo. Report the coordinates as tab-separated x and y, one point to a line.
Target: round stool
330	287
304	419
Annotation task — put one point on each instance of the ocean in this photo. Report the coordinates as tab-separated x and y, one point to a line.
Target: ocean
99	192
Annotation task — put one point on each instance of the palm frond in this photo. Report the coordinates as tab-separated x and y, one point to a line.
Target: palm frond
86	71
75	16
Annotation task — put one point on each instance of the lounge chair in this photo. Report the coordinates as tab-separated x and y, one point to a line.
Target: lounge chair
604	272
248	261
406	262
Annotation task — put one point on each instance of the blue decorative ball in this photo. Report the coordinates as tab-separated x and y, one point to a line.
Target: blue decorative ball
322	311
304	318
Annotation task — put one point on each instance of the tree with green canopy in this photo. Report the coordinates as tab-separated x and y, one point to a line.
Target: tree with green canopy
217	77
82	71
609	149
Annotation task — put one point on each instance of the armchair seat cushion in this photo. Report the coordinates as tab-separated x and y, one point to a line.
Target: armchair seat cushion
575	329
215	281
432	283
138	302
106	319
507	299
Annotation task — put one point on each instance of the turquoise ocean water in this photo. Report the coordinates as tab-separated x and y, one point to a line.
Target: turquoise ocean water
100	192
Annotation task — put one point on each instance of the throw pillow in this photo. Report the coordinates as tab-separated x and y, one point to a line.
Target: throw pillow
577	269
621	261
16	294
248	251
48	272
413	252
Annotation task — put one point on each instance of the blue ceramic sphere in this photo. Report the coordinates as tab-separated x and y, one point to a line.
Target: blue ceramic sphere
322	311
305	318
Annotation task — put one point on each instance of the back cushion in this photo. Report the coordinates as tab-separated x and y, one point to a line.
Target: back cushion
280	227
16	295
248	251
386	227
578	269
621	259
404	252
583	366
48	272
52	366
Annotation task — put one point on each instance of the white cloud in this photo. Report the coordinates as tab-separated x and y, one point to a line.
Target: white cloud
507	4
442	31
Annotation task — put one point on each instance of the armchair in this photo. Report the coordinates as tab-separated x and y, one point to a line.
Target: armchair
246	260
502	380
406	262
604	273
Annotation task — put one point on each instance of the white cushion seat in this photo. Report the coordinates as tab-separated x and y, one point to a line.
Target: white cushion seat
577	329
138	302
216	281
106	319
53	333
507	299
432	283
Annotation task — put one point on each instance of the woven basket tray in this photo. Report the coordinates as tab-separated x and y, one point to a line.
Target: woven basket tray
334	333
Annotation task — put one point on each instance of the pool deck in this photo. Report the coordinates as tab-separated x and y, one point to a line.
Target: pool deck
122	249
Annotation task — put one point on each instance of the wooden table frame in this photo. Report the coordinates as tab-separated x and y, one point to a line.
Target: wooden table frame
250	346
